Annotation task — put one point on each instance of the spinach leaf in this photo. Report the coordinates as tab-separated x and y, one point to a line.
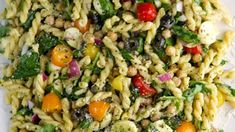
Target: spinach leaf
185	34
29	21
24	111
85	123
170	41
107	8
4	31
48	128
140	48
173	122
194	89
126	55
46	41
28	66
97	70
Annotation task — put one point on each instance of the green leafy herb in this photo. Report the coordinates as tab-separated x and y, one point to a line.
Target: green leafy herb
185	35
166	6
170	41
151	128
29	21
97	70
77	53
85	123
72	96
67	13
51	88
140	47
93	65
28	66
153	84
46	41
173	122
109	53
48	128
195	88
107	8
134	93
223	62
4	31
24	111
126	55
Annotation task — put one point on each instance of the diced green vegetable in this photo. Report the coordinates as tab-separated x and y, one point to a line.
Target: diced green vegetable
46	41
28	66
24	111
4	31
126	55
140	47
195	88
107	8
48	128
29	21
85	123
186	35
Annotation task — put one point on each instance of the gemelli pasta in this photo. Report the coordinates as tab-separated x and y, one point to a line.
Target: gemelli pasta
114	65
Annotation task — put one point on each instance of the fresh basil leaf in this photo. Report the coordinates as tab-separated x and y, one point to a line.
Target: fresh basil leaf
28	66
126	55
48	128
46	41
85	123
194	89
4	31
185	34
28	23
24	111
107	8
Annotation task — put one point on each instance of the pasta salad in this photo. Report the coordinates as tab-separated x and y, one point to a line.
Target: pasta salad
114	65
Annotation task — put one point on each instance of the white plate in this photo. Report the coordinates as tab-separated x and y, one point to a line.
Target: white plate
225	117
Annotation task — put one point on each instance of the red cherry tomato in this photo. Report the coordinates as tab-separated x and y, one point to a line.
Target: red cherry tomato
193	50
146	11
144	88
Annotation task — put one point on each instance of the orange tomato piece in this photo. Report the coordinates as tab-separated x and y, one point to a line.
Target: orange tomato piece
61	55
186	127
81	28
98	109
51	102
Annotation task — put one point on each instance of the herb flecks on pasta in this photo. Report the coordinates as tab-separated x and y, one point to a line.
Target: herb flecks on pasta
114	65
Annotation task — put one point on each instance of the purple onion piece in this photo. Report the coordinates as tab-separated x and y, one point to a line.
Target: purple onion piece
44	76
35	119
98	42
165	77
74	69
30	104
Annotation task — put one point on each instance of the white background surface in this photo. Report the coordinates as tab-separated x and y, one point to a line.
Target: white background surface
225	118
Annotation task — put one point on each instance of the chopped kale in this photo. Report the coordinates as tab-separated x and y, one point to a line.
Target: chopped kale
28	66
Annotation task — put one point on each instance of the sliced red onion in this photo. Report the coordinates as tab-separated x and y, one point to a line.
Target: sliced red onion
165	77
74	69
30	104
35	119
44	76
98	42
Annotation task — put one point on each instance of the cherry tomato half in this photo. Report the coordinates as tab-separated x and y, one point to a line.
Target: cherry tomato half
186	127
98	109
61	55
81	28
146	11
194	50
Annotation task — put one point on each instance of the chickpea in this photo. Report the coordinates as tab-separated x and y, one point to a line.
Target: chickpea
154	117
166	33
145	123
197	58
171	109
170	51
127	5
113	36
177	81
59	23
50	20
121	45
94	78
67	24
98	34
132	71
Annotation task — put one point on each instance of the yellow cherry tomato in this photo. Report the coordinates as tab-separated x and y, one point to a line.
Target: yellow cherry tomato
221	99
98	109
117	82
61	55
51	102
186	127
91	50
